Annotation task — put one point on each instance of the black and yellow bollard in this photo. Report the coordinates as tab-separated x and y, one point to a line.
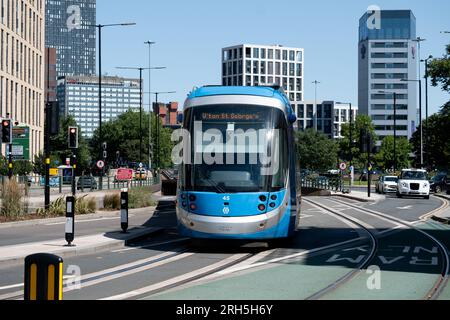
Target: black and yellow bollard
43	277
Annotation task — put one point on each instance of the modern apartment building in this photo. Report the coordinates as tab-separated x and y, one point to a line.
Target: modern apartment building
168	113
22	71
324	116
253	65
69	30
387	54
78	97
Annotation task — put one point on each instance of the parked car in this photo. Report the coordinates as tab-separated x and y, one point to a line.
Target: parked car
387	184
437	183
87	182
413	182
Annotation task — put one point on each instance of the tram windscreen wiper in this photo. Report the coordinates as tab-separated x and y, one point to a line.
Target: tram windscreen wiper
217	187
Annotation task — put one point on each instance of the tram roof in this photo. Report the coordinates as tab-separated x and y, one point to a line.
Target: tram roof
260	91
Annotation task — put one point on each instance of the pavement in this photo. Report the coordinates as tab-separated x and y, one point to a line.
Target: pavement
360	195
444	215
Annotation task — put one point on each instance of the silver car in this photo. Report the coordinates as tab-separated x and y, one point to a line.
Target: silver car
387	184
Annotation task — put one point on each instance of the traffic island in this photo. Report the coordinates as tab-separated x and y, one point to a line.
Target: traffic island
14	255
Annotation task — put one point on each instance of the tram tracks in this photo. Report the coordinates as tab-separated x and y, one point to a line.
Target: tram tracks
437	287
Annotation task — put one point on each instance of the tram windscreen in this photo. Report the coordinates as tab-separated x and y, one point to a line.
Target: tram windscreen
236	148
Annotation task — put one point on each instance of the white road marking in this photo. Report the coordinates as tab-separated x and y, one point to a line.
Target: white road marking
176	280
12	286
405	208
102	272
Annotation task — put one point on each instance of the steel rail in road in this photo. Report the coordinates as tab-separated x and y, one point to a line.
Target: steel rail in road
363	265
444	277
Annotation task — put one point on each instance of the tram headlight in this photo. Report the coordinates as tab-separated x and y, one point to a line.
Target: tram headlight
263	198
193	207
262	207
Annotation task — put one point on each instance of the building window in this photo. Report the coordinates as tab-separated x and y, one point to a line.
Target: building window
270	54
248	52
248	66
291	55
270	67
263	53
255	53
310	111
278	68
301	111
285	55
255	67
277	54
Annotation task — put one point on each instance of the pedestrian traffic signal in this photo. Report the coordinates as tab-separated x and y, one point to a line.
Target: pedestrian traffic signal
7	131
73	138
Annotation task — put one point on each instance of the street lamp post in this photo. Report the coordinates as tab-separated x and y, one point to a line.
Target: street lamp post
140	69
420	117
315	82
158	159
426	108
100	27
149	43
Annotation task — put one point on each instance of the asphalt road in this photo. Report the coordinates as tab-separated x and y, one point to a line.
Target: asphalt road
326	248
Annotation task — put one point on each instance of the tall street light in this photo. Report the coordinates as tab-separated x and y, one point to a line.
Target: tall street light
100	27
350	144
150	43
158	159
395	126
140	103
420	117
316	83
426	107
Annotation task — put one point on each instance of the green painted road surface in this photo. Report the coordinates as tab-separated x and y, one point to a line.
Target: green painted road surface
283	282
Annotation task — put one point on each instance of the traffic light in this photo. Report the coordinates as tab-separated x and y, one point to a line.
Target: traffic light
7	131
363	140
73	138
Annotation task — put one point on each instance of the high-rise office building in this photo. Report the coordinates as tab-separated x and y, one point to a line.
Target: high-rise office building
253	65
69	30
78	97
387	54
324	116
22	73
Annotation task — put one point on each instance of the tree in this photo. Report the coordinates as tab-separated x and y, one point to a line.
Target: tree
60	150
437	144
361	122
316	150
385	158
122	136
439	71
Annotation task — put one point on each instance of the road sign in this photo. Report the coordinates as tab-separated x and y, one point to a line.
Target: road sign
343	166
100	164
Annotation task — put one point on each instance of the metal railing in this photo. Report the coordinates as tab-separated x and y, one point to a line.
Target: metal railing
323	183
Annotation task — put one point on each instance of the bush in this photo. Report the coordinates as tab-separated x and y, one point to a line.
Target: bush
112	201
85	205
11	196
140	198
57	208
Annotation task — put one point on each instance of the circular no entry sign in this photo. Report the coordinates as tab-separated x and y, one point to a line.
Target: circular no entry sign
100	164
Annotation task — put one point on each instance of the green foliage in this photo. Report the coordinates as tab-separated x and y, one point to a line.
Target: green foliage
361	122
112	201
60	150
13	205
439	71
123	135
436	140
57	209
140	197
83	205
316	150
39	163
385	158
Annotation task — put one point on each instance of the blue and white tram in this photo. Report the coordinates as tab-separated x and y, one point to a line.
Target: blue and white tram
233	185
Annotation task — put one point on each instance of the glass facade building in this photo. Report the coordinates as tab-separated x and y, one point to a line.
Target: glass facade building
78	97
67	30
394	24
388	54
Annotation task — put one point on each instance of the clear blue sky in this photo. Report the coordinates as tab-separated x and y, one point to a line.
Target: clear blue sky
190	35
